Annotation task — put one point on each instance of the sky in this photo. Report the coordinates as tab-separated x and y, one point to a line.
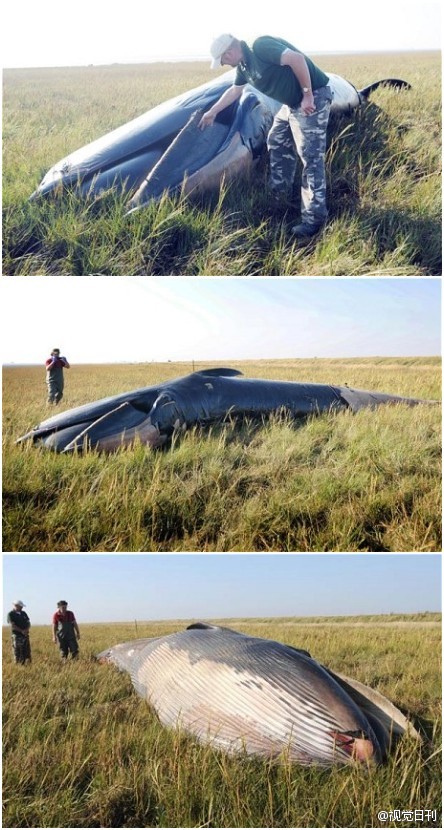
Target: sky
144	319
50	33
127	587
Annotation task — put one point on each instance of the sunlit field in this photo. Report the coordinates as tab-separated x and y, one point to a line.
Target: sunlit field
369	481
383	168
81	749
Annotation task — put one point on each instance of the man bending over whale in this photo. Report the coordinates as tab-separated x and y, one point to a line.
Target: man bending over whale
279	70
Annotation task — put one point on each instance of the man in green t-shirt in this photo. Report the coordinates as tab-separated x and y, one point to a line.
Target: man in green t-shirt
279	70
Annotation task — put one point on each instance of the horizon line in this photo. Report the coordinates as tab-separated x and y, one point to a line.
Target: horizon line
216	620
206	59
129	361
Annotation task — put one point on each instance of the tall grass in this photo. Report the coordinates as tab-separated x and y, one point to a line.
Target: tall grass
81	749
383	170
364	482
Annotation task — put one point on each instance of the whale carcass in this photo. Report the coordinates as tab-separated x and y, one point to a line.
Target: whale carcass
164	149
246	694
152	414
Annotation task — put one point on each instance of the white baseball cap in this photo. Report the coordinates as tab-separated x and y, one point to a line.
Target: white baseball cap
218	47
19	602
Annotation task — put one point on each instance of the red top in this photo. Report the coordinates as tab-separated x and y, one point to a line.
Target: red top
56	362
59	617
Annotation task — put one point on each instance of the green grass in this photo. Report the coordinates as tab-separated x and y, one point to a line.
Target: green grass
81	749
383	170
344	482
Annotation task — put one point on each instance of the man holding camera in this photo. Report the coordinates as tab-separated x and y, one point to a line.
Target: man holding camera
54	376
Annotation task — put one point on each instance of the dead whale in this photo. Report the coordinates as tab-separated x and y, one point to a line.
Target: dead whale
240	693
152	414
163	149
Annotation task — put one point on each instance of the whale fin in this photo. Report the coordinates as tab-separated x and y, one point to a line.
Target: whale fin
219	373
377	705
396	82
201	625
210	627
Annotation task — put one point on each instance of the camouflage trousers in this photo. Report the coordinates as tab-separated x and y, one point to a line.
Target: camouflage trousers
294	133
21	648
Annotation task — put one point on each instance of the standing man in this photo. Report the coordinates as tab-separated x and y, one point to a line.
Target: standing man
20	625
278	69
54	376
65	630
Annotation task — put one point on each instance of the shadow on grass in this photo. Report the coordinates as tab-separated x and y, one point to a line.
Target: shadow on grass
360	147
422	235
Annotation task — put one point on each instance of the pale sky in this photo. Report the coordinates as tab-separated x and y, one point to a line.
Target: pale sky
121	588
117	319
50	33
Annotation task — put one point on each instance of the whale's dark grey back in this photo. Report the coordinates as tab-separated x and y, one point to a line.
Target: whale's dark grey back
199	398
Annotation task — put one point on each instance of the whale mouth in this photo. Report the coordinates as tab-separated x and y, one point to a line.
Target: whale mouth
104	657
356	744
146	433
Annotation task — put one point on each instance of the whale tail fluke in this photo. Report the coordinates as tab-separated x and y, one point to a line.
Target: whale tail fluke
395	82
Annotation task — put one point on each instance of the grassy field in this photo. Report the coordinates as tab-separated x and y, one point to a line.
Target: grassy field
81	749
383	170
345	482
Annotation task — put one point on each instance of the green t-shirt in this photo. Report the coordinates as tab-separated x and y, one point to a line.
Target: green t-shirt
261	67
